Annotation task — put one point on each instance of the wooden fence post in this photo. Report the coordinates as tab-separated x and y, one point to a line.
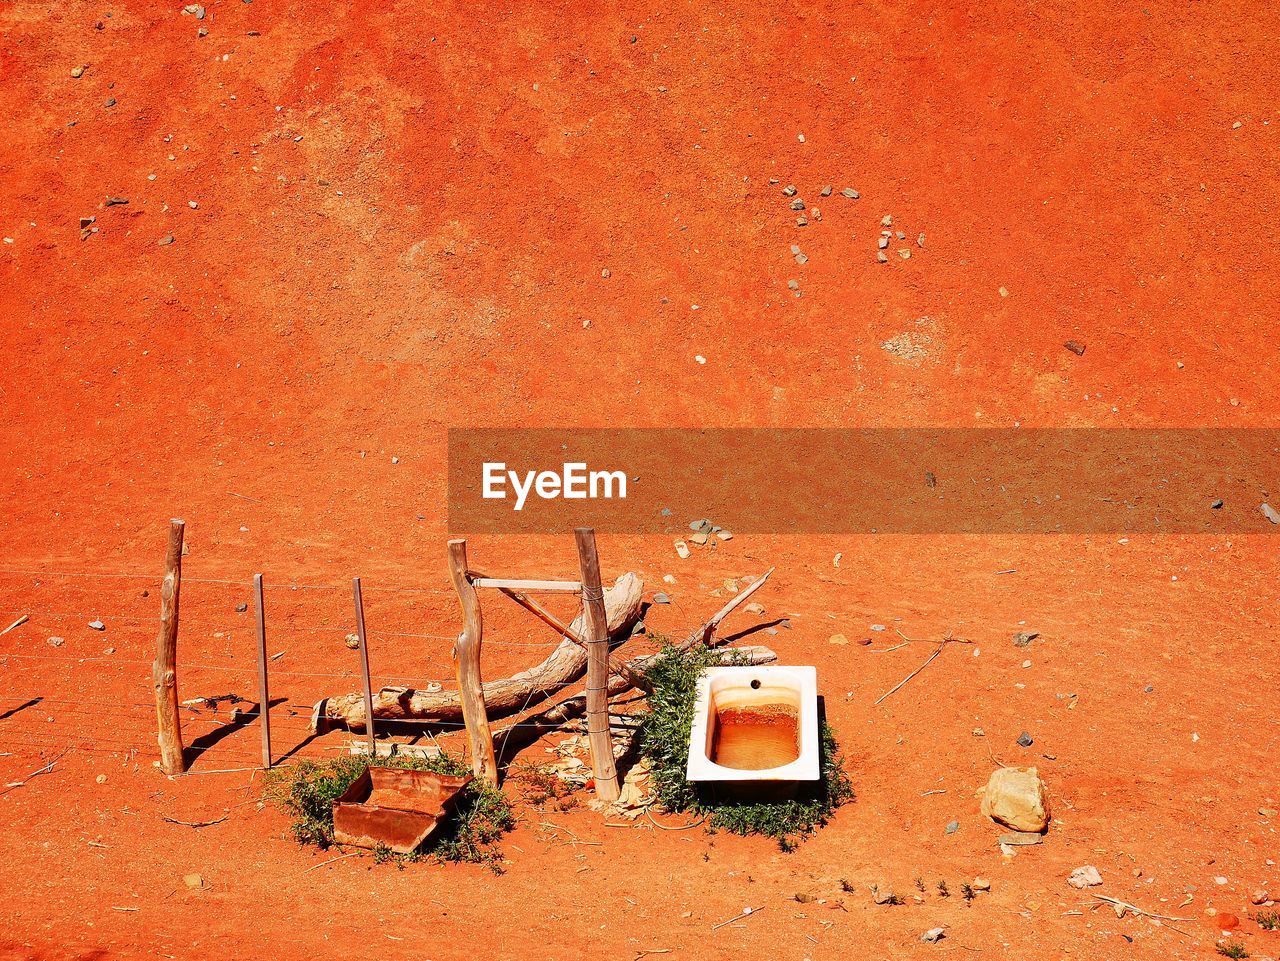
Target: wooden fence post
164	672
264	697
595	622
466	653
364	668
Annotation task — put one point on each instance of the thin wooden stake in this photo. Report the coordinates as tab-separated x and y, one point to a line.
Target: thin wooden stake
364	667
164	672
596	633
264	698
466	654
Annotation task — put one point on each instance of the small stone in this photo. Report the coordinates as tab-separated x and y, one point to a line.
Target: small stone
900	235
1003	292
800	137
883	895
1026	664
1219	880
825	191
755	608
56	641
109	102
1260	897
97	626
881	257
850	193
802	221
109	651
865	642
789	190
204	32
193	881
353	642
801	259
77	73
87	222
1217	504
795	248
1268	812
101	779
192	204
661	598
816	213
838	639
165	241
920	241
605	273
1074	346
797	204
699	538
886	220
904	253
682	549
979	732
1025	739
933	935
724	535
1085	877
981	884
883	242
793	284
1023	638
953	827
241	607
878	627
1271	514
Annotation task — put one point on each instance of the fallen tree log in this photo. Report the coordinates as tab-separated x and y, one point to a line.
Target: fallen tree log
565	664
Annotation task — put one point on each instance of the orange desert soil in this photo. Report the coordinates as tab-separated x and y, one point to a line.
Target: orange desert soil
388	219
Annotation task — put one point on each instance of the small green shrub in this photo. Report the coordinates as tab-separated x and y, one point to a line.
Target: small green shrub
1232	949
664	742
1268	920
480	817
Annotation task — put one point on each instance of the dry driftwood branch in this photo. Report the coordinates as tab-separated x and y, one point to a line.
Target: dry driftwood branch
565	664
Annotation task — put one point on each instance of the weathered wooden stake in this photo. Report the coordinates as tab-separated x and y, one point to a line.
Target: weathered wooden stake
596	634
164	673
264	698
364	667
466	653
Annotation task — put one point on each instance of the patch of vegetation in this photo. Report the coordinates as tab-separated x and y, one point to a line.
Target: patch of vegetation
1232	949
1268	920
664	741
966	891
943	891
480	816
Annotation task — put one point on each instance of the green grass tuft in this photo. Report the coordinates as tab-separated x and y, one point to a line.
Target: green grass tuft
1232	949
664	742
1268	920
308	789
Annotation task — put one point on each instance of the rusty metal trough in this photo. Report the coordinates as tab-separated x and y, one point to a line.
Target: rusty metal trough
394	808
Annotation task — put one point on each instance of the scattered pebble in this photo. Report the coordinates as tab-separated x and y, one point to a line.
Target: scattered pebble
56	641
241	607
933	935
953	827
883	242
839	639
904	253
920	241
1023	638
1074	346
882	257
661	598
165	241
1025	739
682	549
825	191
1270	513
77	73
850	193
878	627
101	779
981	884
1085	877
883	895
115	201
1217	504
886	220
789	190
97	625
797	204
605	273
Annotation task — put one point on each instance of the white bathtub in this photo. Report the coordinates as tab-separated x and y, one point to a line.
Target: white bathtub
721	688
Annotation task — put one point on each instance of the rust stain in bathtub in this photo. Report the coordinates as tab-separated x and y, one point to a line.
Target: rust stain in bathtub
756	737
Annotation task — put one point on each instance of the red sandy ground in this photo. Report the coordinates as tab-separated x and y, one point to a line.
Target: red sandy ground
426	254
